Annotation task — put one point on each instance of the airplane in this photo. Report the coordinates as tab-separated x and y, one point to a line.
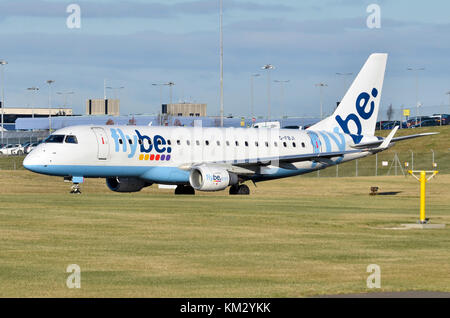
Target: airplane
131	158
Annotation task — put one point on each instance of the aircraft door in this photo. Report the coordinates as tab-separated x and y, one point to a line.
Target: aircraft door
102	143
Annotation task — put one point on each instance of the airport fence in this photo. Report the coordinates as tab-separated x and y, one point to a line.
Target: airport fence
20	137
389	164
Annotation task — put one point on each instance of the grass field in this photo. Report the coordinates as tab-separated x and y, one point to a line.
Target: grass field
290	238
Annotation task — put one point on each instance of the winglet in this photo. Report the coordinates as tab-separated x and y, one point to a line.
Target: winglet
387	140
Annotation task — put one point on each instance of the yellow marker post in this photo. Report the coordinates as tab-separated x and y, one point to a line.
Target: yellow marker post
423	180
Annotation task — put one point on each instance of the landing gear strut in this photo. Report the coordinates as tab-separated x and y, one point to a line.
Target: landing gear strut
184	189
75	188
241	189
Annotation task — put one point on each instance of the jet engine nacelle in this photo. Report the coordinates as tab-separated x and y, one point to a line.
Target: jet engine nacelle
118	184
205	178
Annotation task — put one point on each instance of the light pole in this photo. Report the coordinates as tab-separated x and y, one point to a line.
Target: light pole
35	89
50	82
251	94
432	151
321	86
2	63
221	59
268	67
412	159
170	84
282	94
65	96
114	89
344	76
416	70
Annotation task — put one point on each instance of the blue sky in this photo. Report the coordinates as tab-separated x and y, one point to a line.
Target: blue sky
135	43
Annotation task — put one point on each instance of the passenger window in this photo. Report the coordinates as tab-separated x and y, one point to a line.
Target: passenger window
267	144
275	144
303	144
120	141
228	143
294	145
71	139
246	144
207	142
169	142
178	142
256	144
218	143
188	142
197	143
284	144
237	143
130	142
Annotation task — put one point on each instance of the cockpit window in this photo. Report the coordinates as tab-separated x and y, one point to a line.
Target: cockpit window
71	139
54	139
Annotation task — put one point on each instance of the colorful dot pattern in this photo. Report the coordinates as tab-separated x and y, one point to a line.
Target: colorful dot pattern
153	157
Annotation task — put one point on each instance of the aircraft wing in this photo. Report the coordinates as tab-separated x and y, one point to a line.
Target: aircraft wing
247	166
401	138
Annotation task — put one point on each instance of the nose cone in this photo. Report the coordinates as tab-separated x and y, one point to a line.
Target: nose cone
33	162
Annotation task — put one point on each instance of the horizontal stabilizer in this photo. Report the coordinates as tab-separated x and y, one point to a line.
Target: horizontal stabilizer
377	143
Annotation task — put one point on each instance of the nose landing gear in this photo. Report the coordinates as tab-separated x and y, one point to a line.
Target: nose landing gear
75	188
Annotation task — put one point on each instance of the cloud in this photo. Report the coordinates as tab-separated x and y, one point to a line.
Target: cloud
130	9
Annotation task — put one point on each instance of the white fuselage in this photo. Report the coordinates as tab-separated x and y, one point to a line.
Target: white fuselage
165	154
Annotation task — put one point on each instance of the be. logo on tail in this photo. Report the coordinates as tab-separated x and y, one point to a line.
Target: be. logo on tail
361	105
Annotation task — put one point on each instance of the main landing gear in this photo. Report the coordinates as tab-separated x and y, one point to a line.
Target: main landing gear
184	189
241	189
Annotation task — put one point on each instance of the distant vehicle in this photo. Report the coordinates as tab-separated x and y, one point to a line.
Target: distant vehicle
426	123
268	124
9	149
445	118
20	150
30	147
391	124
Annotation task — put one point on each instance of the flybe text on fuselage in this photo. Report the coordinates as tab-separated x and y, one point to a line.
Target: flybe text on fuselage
155	148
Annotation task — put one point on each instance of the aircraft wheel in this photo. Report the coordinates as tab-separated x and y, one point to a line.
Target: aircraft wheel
183	189
189	190
243	190
179	189
75	189
234	189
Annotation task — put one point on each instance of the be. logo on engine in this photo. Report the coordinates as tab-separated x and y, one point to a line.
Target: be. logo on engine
146	144
361	105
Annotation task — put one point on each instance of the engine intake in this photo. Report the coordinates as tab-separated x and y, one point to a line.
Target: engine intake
118	184
205	178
